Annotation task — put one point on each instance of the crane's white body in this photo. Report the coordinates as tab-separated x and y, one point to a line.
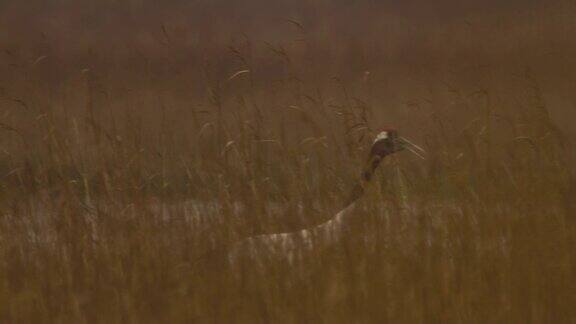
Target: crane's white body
293	245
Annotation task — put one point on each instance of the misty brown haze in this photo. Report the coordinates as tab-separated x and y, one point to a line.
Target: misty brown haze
140	140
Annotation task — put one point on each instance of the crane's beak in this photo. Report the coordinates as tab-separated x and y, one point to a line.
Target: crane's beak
404	143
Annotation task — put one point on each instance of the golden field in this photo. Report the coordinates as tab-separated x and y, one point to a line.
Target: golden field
139	141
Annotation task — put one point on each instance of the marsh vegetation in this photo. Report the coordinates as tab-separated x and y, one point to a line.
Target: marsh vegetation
127	167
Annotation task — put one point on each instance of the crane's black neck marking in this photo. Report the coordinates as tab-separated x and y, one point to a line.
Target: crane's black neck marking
365	178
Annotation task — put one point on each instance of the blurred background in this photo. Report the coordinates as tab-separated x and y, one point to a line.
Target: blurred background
407	51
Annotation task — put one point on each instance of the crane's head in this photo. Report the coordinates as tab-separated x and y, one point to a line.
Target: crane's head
388	142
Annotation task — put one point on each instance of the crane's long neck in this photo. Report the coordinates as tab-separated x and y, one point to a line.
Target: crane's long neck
328	232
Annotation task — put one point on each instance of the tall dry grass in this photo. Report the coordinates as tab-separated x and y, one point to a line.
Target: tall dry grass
123	182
